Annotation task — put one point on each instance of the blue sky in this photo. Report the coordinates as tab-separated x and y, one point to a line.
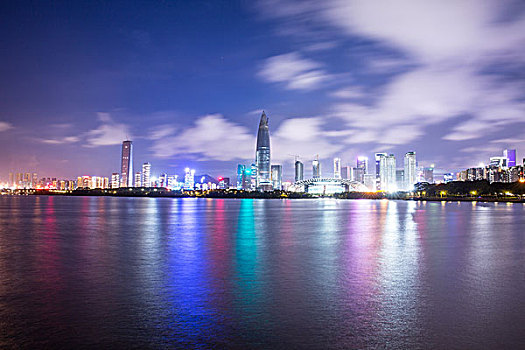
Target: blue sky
187	80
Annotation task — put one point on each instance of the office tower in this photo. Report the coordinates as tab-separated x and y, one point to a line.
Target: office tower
448	177
262	155
316	168
138	179
337	168
510	155
299	171
34	181
172	181
253	177
410	171
378	157
126	167
358	174
498	162
370	181
241	174
428	174
189	179
345	173
115	180
163	180
277	176
146	175
362	163
387	173
400	179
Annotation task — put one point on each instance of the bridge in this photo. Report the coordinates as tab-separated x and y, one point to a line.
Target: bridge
328	186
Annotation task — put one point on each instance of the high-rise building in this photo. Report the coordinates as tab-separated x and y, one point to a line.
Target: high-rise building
410	173
262	155
358	174
370	181
400	178
337	168
428	174
126	167
387	173
510	154
362	163
299	171
163	180
115	180
146	175
378	157
346	173
189	179
241	176
138	179
277	176
316	168
498	162
253	177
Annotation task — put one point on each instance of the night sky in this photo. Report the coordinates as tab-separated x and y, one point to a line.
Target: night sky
187	81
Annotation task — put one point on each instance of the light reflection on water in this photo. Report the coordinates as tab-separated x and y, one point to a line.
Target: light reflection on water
146	272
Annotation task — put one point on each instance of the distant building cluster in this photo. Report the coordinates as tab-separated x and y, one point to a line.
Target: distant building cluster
500	169
382	174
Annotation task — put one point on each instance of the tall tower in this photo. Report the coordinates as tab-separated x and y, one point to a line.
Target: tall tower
510	154
262	155
316	168
146	175
337	168
410	170
126	167
299	171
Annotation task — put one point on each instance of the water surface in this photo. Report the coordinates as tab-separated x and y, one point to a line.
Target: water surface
88	272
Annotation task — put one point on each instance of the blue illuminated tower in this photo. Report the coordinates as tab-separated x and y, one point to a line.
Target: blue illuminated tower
262	155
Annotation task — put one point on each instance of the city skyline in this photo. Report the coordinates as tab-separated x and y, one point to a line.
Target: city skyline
338	79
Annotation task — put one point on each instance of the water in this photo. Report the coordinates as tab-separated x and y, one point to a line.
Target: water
88	272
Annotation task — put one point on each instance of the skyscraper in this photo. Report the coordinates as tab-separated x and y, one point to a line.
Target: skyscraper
262	155
299	171
316	168
378	157
510	154
138	179
126	167
410	174
277	176
146	175
115	180
189	179
241	173
337	168
387	172
362	163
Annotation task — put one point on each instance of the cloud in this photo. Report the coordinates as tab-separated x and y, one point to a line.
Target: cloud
294	71
440	53
61	140
213	137
108	133
4	126
347	93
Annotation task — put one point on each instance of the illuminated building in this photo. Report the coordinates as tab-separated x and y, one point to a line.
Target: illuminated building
241	176
410	173
189	179
357	174
400	179
163	180
362	163
138	179
387	173
448	177
299	171
115	180
277	176
224	183
172	182
346	173
428	174
498	162
369	180
316	168
327	186
126	167
262	155
510	155
34	181
146	175
378	157
337	168
253	177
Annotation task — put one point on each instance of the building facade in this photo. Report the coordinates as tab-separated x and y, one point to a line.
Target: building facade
262	156
126	165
